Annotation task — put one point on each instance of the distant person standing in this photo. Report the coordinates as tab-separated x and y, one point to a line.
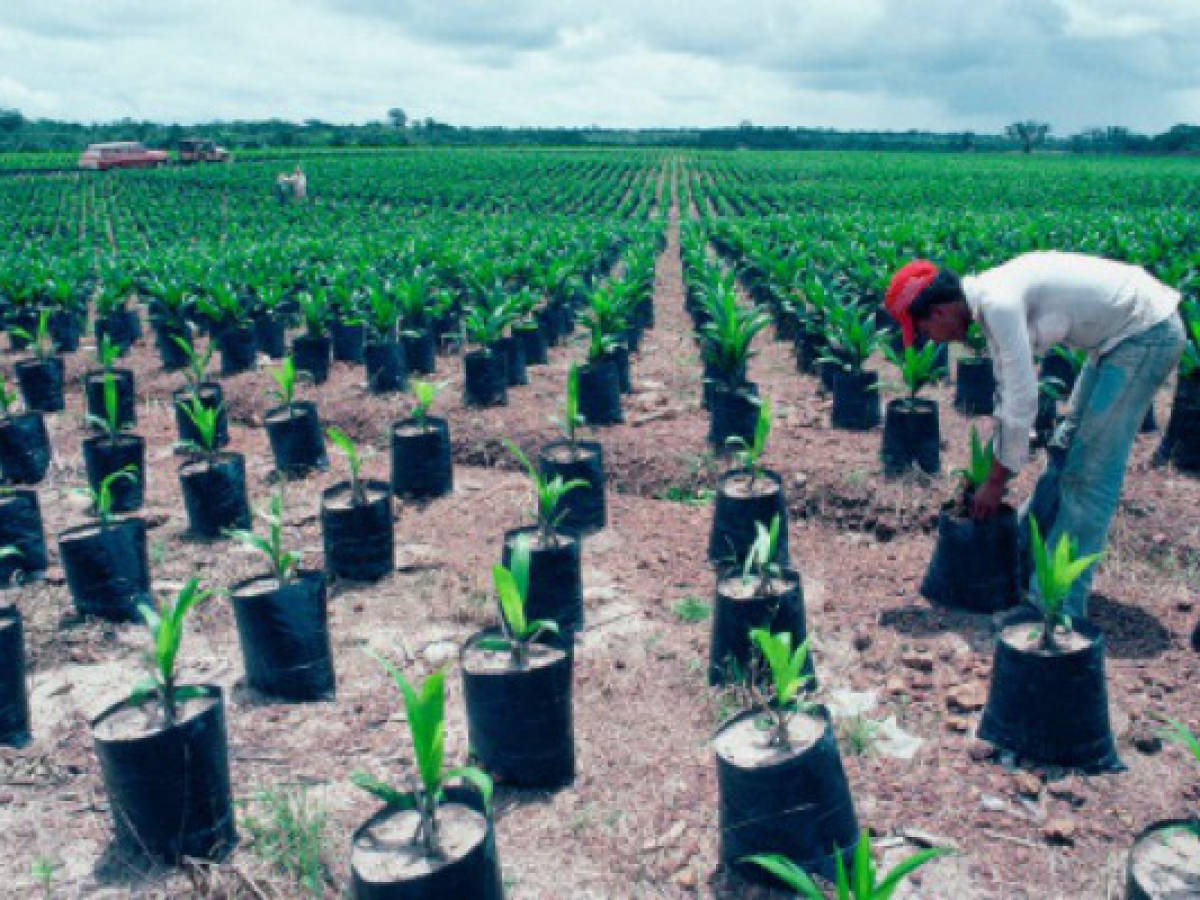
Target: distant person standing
292	187
299	183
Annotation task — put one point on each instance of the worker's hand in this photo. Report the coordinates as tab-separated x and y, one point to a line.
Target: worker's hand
990	494
987	499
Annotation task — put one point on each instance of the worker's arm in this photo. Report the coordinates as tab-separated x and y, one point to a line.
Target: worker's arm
1017	395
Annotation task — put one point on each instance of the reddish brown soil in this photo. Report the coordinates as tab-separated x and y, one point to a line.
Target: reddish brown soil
641	818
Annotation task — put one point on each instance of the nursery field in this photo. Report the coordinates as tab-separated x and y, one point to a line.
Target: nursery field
504	278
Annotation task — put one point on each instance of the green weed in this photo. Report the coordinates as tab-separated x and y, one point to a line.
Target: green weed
686	495
856	735
287	832
691	609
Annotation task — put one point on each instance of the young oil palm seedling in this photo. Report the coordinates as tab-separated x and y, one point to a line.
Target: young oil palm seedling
105	561
725	339
172	303
113	450
420	304
422	467
517	683
313	350
556	581
270	315
788	681
860	882
196	372
24	442
293	426
41	377
919	367
979	466
424	393
1055	571
166	636
571	419
66	296
512	590
281	617
485	368
213	483
383	351
525	328
107	353
762	562
401	845
762	593
231	327
911	433
746	494
780	781
356	520
748	454
505	296
572	459
549	493
852	338
975	563
163	752
1048	699
198	387
114	320
599	387
283	562
814	298
347	324
725	343
1165	858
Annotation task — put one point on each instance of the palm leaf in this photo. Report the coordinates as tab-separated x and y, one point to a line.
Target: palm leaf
476	778
391	797
864	870
787	872
512	604
1185	737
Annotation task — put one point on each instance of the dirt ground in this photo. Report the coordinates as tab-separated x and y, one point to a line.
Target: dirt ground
641	817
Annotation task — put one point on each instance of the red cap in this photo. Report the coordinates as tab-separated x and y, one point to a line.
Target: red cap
905	286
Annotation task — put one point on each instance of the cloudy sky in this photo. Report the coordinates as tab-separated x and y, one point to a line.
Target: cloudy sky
894	64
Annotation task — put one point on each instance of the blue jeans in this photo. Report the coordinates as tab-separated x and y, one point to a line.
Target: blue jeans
1079	491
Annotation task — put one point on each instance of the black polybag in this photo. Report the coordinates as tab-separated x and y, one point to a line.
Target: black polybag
519	721
358	539
284	634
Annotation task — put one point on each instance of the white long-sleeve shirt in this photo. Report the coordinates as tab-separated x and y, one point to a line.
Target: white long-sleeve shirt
1037	300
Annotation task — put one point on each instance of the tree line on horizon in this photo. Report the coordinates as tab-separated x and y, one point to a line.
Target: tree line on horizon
21	134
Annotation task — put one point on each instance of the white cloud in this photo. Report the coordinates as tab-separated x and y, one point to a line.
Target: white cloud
855	63
17	93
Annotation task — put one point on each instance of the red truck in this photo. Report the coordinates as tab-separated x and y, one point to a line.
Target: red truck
122	155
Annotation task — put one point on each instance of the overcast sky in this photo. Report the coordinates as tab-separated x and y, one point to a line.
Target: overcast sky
946	65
